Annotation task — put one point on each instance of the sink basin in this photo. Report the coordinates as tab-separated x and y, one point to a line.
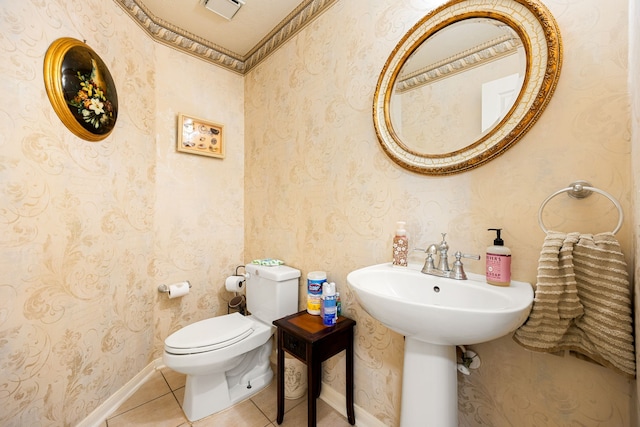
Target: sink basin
435	314
438	310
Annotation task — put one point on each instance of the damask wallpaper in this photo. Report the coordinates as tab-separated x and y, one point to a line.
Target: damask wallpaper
333	202
89	230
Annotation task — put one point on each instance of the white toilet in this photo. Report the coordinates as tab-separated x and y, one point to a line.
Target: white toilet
226	358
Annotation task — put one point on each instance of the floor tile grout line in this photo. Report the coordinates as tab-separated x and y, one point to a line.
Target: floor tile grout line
148	401
166	380
262	412
173	392
138	406
176	398
299	402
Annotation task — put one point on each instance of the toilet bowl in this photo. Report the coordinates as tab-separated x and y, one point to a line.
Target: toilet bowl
226	358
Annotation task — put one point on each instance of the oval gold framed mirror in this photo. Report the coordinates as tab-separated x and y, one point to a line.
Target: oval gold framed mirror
466	83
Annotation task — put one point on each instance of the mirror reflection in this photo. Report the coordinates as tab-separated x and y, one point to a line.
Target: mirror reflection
457	86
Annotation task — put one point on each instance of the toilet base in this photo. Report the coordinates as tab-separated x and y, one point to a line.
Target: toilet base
207	394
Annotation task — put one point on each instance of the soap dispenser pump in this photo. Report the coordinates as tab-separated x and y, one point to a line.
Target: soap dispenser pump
498	260
400	245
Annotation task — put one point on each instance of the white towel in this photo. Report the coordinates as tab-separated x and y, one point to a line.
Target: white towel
582	301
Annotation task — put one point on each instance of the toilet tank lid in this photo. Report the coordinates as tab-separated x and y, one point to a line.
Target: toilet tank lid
278	273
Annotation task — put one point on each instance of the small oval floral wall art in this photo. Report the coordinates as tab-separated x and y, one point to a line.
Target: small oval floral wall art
80	89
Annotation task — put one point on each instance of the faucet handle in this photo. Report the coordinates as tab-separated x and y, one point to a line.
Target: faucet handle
443	246
469	256
458	268
429	264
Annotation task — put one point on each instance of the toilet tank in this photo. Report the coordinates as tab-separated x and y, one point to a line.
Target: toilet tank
272	291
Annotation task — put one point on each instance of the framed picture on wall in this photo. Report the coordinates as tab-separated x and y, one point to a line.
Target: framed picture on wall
198	136
81	89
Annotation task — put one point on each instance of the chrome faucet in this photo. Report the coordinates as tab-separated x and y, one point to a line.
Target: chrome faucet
443	270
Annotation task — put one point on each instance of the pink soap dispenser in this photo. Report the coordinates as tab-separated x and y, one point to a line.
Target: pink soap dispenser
498	262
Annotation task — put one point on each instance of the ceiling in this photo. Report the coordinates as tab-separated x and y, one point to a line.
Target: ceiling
257	29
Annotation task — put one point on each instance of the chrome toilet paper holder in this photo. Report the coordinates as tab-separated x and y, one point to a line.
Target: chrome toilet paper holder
165	288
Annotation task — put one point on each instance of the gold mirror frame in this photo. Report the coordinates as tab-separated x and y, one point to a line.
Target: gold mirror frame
81	89
540	36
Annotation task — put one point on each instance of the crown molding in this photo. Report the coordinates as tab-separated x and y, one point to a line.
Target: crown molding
474	57
179	39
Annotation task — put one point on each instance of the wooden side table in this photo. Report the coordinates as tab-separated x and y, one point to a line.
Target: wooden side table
308	340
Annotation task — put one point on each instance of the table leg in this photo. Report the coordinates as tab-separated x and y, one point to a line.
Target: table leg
312	380
318	374
280	373
351	416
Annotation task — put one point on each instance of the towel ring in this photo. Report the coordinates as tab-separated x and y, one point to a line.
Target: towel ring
580	190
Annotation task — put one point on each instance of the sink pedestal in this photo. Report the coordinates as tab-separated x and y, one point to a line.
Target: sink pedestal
429	385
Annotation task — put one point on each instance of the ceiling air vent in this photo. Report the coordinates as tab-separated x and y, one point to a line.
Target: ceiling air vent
224	8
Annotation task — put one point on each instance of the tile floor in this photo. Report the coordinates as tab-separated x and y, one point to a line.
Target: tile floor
157	403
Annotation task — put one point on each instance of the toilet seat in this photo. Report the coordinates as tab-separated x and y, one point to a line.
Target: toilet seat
209	334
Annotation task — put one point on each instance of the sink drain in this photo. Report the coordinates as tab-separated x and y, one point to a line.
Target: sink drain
436	289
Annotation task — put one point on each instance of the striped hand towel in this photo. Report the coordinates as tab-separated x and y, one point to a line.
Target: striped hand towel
582	301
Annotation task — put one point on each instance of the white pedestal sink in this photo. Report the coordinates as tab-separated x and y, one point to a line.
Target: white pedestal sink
435	314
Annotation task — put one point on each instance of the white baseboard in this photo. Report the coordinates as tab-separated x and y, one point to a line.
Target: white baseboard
108	407
339	402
